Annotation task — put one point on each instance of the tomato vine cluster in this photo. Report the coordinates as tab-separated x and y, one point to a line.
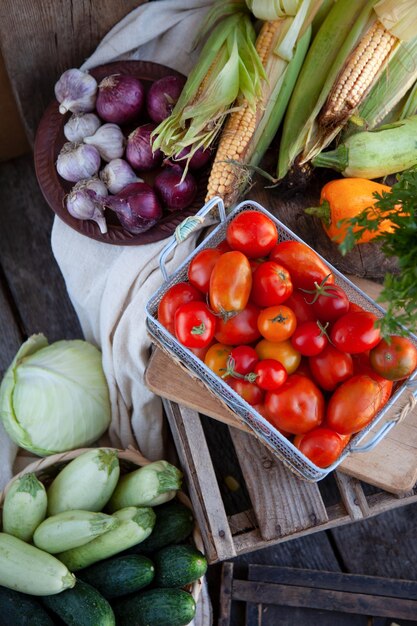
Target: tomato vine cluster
267	317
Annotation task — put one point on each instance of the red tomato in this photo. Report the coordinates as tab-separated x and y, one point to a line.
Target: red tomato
249	391
223	246
297	406
271	284
354	404
261	408
309	339
216	358
321	445
355	332
281	351
304	265
241	328
243	359
230	283
252	233
304	368
394	360
270	374
200	353
303	311
355	308
362	365
331	367
194	325
200	268
277	323
330	302
175	296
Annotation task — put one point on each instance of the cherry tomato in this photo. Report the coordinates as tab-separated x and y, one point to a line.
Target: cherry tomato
321	445
270	374
394	360
355	332
309	338
271	284
230	283
277	323
331	367
304	265
249	391
297	406
241	328
216	358
330	302
200	268
252	233
243	359
281	351
194	325
175	296
362	365
304	312
353	404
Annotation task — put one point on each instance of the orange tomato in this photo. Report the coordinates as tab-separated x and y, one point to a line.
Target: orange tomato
230	283
277	323
216	358
281	351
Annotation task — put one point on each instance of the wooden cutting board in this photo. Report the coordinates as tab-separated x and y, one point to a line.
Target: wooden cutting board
391	466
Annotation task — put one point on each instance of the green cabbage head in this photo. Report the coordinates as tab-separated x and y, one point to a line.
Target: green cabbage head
55	397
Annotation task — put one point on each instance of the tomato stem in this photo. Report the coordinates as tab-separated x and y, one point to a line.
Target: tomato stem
321	289
198	330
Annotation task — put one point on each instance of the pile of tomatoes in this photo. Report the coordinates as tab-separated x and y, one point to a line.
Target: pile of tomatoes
267	317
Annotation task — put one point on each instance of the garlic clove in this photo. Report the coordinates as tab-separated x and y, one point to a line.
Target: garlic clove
76	91
84	204
117	174
81	125
109	141
77	161
95	184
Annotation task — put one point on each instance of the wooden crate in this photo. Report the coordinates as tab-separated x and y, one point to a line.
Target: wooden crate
287	596
272	505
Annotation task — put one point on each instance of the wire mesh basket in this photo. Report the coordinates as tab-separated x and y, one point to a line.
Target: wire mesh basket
401	402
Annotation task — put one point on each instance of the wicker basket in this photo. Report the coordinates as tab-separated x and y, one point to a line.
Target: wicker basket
47	468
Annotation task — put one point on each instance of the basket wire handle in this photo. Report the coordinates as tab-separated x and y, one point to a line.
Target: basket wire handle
188	226
401	415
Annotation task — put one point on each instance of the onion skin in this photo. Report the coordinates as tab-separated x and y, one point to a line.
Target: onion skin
139	149
199	159
175	195
162	97
120	98
136	206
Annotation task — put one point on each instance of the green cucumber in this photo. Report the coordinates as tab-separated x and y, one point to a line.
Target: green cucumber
81	606
30	570
120	575
135	524
174	523
19	609
24	507
177	566
71	529
86	483
156	607
150	485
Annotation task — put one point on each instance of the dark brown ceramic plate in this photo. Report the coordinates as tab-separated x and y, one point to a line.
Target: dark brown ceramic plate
50	139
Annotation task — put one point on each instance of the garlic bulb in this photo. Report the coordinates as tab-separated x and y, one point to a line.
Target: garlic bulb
76	91
84	205
117	174
77	161
81	125
95	184
109	141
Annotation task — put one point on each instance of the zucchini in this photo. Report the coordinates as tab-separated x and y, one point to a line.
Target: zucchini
71	529
177	566
135	524
30	570
19	609
119	576
86	483
81	606
150	485
174	523
24	507
155	607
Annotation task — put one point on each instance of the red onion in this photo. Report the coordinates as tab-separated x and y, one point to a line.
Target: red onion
175	195
139	149
162	97
137	207
199	159
120	98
